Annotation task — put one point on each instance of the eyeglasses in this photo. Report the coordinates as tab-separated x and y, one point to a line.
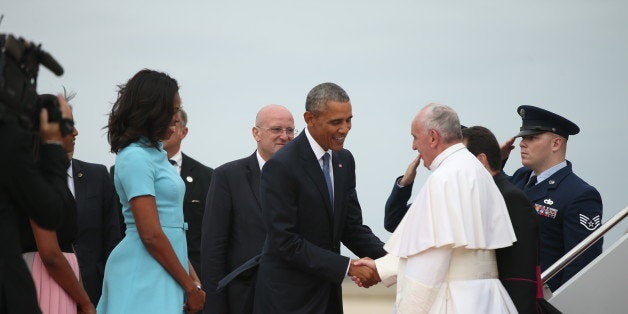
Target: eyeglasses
278	131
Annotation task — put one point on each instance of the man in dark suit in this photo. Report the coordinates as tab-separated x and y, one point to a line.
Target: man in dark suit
233	230
98	224
310	206
517	264
568	208
197	178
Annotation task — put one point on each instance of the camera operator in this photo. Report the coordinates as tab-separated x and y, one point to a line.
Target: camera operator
33	183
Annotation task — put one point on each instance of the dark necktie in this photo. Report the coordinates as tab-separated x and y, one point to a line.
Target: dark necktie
172	162
327	174
532	182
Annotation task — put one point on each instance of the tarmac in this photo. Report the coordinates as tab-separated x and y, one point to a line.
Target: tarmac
376	299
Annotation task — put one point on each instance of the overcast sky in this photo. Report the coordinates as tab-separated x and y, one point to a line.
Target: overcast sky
483	59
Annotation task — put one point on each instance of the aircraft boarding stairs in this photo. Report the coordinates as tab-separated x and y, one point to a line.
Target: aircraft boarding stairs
600	287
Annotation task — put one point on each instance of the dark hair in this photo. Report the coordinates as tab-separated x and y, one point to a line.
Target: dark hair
144	107
318	97
481	140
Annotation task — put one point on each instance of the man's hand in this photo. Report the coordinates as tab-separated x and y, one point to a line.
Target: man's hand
363	272
507	147
410	174
50	131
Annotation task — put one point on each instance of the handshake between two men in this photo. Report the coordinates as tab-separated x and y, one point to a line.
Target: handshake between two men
364	273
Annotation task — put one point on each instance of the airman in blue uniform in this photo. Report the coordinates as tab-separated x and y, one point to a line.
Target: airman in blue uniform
568	208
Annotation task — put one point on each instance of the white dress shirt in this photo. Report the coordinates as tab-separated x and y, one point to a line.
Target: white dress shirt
178	160
71	179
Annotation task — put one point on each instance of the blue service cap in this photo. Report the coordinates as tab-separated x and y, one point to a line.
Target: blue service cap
535	120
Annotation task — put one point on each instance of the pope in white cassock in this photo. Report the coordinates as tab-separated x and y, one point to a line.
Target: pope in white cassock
442	253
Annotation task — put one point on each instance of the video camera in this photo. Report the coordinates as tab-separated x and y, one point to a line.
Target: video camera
19	66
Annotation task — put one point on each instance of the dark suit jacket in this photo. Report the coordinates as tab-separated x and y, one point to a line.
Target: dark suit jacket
396	205
568	210
98	223
197	178
29	189
233	232
301	269
517	263
118	206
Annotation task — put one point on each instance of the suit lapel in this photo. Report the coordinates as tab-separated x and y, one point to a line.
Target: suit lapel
187	168
340	177
253	176
313	169
79	178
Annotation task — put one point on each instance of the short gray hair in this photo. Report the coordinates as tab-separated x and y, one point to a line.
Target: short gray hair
318	97
444	120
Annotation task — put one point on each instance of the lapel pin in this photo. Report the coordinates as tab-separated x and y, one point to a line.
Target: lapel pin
551	181
189	179
339	165
80	174
548	202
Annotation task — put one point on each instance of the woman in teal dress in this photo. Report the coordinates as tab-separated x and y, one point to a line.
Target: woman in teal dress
147	272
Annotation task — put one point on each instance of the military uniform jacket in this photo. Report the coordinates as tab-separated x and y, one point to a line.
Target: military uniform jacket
568	210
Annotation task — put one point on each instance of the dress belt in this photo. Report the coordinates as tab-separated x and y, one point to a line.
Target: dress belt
183	226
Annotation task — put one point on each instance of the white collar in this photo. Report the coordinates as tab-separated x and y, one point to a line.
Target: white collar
70	174
260	160
444	154
318	150
178	158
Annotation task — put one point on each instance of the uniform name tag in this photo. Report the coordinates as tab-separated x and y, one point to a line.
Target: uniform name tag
545	211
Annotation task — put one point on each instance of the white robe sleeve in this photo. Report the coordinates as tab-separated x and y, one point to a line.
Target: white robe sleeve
387	267
424	274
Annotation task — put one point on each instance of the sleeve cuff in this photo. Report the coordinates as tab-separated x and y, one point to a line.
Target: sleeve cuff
387	269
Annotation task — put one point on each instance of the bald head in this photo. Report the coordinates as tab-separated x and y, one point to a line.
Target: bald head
269	112
274	127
